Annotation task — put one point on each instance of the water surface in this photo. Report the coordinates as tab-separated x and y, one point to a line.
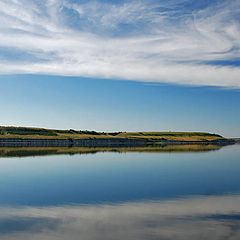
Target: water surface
181	194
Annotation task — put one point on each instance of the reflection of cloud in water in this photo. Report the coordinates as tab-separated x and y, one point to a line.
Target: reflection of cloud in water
216	217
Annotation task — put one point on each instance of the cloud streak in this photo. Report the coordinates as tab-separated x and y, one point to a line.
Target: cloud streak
136	40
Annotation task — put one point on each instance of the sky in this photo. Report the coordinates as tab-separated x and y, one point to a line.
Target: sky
121	65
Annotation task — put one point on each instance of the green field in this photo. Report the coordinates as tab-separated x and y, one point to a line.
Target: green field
33	133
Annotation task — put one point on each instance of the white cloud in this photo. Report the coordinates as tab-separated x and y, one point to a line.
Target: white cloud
135	40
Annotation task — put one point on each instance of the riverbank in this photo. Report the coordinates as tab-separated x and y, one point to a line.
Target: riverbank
102	142
40	137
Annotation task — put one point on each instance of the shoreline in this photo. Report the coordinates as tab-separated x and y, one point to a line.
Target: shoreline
103	142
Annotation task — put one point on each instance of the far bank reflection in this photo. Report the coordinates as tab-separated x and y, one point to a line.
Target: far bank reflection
212	217
42	151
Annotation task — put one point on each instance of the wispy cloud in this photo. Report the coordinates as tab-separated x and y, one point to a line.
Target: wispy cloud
165	41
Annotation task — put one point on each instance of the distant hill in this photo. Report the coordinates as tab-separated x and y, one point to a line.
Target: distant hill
42	133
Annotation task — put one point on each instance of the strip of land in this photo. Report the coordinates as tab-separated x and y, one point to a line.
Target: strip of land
24	136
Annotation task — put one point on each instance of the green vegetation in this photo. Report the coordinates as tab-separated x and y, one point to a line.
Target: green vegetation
174	136
33	133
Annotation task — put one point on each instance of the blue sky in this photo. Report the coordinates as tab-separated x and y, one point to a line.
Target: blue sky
98	104
121	65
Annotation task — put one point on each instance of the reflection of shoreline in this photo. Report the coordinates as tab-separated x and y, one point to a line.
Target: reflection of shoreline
212	217
42	151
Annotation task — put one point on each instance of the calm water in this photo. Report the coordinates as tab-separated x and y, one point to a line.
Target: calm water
127	196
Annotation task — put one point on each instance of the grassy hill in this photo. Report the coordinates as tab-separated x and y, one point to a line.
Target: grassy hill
30	133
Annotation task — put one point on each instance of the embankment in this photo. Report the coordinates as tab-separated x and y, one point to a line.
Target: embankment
114	142
99	142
